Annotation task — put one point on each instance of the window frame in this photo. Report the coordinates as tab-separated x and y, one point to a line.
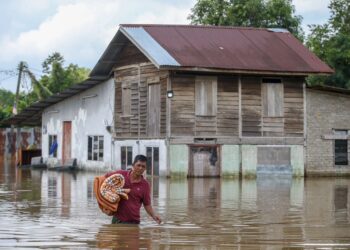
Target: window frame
51	138
202	91
97	151
344	132
151	160
126	99
128	158
275	88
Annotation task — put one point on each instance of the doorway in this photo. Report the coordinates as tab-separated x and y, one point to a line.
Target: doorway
67	140
204	161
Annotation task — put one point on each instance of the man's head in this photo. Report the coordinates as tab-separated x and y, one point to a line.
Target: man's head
139	164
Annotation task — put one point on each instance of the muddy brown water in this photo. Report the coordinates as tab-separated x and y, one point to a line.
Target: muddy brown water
46	209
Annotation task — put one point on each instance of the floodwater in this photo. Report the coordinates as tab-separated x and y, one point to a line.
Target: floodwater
46	209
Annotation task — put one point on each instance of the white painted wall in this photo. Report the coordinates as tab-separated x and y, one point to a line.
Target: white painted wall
139	147
89	116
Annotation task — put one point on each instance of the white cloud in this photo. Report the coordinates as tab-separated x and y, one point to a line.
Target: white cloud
81	30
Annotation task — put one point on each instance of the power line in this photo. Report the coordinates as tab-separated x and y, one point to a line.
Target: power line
38	70
4	79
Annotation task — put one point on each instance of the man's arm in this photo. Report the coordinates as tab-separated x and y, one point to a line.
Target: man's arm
151	213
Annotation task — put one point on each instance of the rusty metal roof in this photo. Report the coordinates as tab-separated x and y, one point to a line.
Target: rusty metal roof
231	48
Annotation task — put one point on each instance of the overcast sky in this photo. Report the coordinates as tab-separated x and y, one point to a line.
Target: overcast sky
80	30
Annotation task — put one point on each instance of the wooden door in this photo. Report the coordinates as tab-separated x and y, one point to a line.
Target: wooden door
66	142
153	121
204	161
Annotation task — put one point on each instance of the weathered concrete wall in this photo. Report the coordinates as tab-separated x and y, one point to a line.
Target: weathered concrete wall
178	160
325	111
139	147
230	161
90	112
292	164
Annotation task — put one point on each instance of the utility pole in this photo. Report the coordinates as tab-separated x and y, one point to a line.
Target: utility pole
14	112
20	70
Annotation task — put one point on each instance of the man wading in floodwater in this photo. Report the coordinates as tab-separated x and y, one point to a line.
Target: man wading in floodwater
129	210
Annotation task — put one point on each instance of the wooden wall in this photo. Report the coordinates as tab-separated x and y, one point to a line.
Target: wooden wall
293	107
251	106
185	122
138	77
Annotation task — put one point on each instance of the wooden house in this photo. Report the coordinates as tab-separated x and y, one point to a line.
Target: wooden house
209	101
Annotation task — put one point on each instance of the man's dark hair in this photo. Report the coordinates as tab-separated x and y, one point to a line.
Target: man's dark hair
141	158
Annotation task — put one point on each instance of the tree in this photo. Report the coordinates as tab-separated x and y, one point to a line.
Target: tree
331	42
57	77
248	13
6	103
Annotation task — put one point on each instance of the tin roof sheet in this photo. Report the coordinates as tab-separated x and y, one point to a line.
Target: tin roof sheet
150	47
234	48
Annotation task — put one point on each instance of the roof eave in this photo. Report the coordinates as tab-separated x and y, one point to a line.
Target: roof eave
242	71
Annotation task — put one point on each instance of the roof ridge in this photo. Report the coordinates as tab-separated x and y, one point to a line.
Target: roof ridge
193	26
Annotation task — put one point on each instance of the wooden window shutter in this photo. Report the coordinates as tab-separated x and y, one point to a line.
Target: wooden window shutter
272	97
126	99
206	96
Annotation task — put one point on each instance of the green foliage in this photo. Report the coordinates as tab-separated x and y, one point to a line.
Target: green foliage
248	13
57	77
331	42
6	103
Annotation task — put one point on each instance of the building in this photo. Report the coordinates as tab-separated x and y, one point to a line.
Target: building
328	131
199	101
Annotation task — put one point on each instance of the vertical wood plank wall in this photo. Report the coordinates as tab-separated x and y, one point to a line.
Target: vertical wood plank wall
251	106
183	119
293	107
185	122
183	116
139	77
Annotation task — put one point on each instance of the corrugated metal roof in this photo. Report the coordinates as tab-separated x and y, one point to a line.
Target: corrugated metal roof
150	47
233	48
31	116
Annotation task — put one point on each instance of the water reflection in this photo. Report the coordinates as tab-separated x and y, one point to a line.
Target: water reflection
53	210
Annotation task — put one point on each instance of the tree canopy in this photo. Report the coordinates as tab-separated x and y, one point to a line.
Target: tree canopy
248	13
6	103
331	42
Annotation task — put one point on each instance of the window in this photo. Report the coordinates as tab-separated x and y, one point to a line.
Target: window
152	154
154	110
95	148
126	99
206	96
52	145
126	157
341	148
272	97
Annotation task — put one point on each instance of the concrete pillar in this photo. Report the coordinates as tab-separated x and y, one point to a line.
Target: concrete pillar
249	161
230	160
179	156
297	160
